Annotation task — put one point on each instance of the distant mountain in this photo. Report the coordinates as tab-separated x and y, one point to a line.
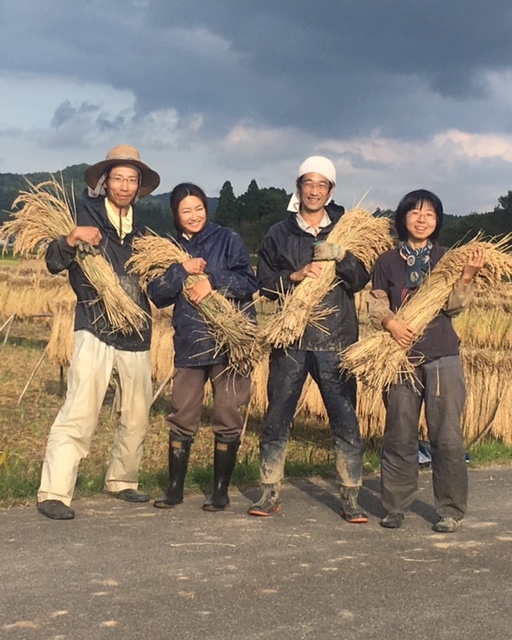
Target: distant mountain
12	183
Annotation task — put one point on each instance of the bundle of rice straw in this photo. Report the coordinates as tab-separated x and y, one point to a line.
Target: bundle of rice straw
232	329
378	360
162	345
62	337
357	231
48	213
487	414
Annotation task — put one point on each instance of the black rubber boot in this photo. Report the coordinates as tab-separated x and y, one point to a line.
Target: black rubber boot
179	453
224	460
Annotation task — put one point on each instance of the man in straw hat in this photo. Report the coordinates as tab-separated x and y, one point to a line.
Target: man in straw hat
289	254
105	224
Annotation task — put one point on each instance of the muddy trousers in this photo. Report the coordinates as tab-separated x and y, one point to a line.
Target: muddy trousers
71	434
288	372
441	387
230	392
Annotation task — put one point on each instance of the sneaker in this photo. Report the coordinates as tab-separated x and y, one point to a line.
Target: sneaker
268	504
353	514
129	495
392	521
446	524
349	506
55	509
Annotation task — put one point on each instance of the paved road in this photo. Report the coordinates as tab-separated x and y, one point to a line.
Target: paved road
135	572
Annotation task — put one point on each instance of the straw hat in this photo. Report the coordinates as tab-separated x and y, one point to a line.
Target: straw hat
124	154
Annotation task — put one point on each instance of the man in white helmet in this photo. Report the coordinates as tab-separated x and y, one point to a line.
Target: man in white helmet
289	254
105	224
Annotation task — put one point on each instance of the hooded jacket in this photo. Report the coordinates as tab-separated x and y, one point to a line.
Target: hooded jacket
286	248
90	312
230	273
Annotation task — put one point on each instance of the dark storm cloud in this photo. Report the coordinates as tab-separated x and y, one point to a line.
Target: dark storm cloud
337	67
348	65
65	112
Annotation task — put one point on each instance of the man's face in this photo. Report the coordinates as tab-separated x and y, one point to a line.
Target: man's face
315	191
122	186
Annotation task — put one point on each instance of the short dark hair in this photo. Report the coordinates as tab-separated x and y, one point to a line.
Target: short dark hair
182	191
415	199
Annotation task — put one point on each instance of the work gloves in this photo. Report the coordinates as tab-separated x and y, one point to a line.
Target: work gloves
328	251
84	248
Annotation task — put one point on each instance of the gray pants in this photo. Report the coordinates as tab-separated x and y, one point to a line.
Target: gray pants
230	392
442	388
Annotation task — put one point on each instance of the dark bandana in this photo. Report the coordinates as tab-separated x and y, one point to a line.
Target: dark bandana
417	264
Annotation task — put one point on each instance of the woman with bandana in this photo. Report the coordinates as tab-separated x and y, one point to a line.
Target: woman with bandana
439	381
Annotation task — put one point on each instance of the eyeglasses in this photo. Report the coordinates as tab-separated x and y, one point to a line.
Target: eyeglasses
133	182
311	184
428	215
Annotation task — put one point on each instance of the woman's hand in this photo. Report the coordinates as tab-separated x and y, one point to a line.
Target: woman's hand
476	261
195	266
199	290
401	332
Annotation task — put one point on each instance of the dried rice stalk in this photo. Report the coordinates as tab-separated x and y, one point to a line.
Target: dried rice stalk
162	345
487	322
487	414
232	330
62	339
359	232
46	214
378	360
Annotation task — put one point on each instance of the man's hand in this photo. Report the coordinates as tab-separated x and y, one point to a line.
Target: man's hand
401	332
199	290
194	266
90	235
311	270
328	251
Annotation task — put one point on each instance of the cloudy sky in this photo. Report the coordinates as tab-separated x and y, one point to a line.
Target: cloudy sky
400	94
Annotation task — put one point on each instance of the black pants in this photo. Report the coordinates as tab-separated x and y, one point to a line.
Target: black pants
288	372
442	388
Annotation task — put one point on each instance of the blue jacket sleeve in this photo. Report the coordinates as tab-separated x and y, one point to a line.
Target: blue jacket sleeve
236	280
164	290
59	255
272	280
352	273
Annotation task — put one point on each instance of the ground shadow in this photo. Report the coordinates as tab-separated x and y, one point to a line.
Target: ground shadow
369	496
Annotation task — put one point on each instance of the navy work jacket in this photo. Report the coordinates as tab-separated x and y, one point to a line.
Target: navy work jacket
230	273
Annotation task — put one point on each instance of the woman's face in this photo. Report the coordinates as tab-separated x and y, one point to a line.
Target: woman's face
420	223
191	215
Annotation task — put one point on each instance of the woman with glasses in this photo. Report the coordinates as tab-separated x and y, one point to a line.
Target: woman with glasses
439	381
